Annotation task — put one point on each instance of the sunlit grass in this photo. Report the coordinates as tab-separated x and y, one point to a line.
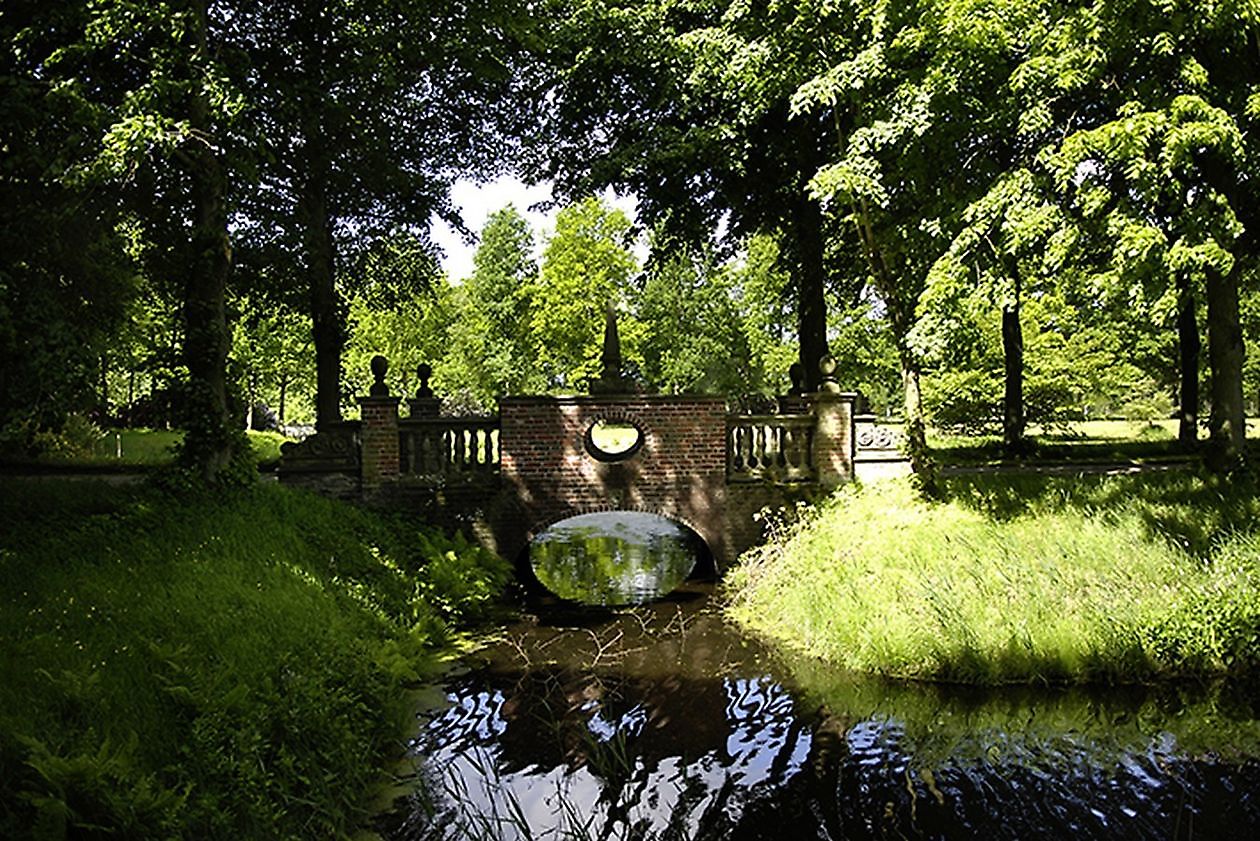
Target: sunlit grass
1018	580
144	448
1078	441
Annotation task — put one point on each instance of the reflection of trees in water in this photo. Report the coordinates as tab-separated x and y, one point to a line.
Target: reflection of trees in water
557	756
554	754
614	558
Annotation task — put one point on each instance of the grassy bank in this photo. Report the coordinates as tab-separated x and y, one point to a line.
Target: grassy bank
94	449
1018	579
210	668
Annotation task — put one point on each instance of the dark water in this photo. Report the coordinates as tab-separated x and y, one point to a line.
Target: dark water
660	722
614	558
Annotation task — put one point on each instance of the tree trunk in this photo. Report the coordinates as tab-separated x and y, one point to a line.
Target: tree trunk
811	282
284	388
900	303
210	444
1188	347
1227	429
1014	419
328	330
916	427
104	386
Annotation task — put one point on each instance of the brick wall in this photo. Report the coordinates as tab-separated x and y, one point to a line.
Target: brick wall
548	474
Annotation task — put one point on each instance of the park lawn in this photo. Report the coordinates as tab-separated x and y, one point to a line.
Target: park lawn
138	448
213	667
1079	441
1018	580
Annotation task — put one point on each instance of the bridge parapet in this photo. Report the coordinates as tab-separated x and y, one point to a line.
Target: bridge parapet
449	447
778	448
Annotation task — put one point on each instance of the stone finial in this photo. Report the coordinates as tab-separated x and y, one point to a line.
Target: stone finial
611	357
425	404
424	371
380	366
796	373
610	379
827	367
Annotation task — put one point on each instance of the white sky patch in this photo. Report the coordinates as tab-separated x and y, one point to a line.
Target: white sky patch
476	202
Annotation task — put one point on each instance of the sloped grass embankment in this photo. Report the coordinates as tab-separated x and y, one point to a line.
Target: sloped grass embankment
1018	580
210	668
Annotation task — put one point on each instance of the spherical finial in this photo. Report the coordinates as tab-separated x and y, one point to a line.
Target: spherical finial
424	371
827	367
380	366
796	373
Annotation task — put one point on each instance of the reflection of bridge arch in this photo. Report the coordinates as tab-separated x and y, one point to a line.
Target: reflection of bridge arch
704	563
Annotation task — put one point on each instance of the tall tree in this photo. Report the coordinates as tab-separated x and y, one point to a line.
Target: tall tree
497	327
1163	165
1014	241
690	113
911	102
372	109
66	279
167	86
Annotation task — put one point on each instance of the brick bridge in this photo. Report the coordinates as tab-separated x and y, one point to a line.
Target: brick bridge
506	478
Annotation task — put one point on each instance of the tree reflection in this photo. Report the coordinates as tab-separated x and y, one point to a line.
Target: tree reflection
614	558
562	756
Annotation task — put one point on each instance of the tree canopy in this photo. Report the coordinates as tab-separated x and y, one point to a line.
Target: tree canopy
1008	211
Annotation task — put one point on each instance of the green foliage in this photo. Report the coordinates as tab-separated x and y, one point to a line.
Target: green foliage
693	338
225	668
413	331
493	348
274	355
1013	579
587	265
1075	366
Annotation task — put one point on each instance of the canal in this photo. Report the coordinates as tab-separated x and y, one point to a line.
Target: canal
661	720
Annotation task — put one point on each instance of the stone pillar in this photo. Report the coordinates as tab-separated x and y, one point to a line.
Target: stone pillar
833	429
833	437
378	434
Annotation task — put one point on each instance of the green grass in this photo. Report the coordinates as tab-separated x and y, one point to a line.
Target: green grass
131	448
1018	579
227	667
1080	441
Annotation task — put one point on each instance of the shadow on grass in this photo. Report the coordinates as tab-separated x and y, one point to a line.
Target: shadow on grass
1192	510
1063	450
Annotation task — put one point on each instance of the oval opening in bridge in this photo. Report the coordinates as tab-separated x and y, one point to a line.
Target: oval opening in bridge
614	557
613	440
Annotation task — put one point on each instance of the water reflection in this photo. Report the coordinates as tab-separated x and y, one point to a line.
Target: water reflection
614	558
687	731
